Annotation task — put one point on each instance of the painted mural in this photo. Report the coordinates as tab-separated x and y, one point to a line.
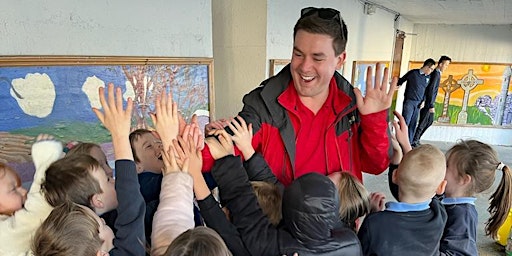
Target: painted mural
359	70
474	94
57	99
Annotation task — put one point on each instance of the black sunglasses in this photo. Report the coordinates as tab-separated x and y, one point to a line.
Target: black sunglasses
324	13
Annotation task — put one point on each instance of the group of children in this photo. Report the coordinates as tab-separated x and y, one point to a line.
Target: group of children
147	205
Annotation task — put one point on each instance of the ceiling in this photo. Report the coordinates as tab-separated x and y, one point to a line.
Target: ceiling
449	11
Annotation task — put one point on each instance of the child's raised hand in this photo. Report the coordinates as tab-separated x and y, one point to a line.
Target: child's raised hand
397	150
242	136
116	119
166	118
170	163
377	201
401	131
222	146
193	129
187	149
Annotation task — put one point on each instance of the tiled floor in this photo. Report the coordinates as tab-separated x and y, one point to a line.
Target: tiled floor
486	245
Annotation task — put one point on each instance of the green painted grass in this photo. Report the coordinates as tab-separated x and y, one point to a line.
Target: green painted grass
67	131
474	115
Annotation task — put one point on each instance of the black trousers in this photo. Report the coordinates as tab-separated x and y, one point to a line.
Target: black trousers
426	120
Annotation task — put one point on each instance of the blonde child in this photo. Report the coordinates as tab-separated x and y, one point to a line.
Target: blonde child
198	242
355	200
130	239
471	169
415	223
73	229
21	213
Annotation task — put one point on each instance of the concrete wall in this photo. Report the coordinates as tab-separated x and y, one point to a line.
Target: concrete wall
239	39
115	28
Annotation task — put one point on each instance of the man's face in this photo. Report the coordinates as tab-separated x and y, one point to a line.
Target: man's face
12	194
313	64
444	65
428	69
108	195
149	151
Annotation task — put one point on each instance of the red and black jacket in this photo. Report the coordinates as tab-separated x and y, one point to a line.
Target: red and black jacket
354	143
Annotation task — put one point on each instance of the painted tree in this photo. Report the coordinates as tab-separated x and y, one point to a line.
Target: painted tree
188	84
147	82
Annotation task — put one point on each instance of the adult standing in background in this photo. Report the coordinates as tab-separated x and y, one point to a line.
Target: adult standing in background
427	112
417	81
309	118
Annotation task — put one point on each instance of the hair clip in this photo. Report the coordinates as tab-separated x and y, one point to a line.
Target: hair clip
70	145
500	166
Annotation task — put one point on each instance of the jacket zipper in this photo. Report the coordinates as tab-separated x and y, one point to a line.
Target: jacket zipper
349	139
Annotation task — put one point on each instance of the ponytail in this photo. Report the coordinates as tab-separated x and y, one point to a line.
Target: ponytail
500	202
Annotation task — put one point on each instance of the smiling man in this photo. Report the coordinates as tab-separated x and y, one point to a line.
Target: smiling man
309	118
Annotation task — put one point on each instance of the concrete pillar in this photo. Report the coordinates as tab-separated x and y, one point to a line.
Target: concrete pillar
239	51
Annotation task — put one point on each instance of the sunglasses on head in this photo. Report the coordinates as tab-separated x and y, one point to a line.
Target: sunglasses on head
323	13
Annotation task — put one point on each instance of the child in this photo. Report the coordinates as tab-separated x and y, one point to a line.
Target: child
93	150
416	222
401	146
130	239
268	193
309	227
471	169
22	213
12	194
354	198
174	215
80	179
198	242
97	153
59	233
269	199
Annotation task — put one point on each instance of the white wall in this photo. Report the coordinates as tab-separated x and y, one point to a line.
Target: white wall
463	43
114	28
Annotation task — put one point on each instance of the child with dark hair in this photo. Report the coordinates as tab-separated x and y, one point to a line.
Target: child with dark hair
22	212
129	238
95	151
471	169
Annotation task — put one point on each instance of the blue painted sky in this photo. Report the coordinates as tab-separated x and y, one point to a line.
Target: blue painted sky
71	104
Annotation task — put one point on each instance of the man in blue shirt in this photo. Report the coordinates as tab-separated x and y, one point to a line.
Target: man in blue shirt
427	112
417	81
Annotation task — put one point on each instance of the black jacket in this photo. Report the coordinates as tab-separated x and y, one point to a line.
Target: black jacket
403	233
310	212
